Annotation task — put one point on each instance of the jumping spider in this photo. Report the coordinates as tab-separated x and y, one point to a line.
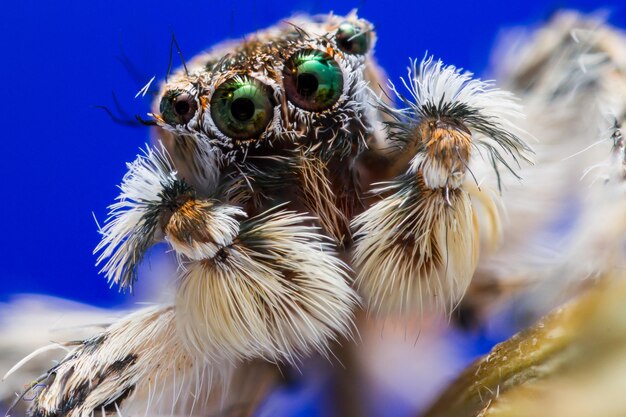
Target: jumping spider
294	190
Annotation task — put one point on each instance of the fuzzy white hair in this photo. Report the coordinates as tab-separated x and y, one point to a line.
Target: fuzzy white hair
279	292
415	253
138	365
431	82
126	234
491	114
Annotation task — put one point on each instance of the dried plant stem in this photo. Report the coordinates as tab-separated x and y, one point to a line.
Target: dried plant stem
550	362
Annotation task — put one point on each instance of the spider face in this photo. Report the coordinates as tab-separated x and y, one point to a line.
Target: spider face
303	84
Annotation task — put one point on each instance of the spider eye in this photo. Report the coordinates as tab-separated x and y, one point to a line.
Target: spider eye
242	107
313	80
178	107
352	39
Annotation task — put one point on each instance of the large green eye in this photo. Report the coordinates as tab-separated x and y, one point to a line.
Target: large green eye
177	107
352	39
242	107
313	80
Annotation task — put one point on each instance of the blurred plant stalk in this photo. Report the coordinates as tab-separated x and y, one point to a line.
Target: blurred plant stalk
571	363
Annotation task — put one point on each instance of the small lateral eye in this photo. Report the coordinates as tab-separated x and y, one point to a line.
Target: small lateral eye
178	107
242	107
352	38
313	80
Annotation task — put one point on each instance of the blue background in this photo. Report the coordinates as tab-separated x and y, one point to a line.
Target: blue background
62	158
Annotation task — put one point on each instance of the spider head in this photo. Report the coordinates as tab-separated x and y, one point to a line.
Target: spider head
302	84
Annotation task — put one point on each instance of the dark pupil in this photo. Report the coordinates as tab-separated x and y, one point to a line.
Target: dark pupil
242	109
307	84
182	107
346	43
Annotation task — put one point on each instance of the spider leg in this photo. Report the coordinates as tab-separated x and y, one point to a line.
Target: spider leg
417	246
139	366
571	79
